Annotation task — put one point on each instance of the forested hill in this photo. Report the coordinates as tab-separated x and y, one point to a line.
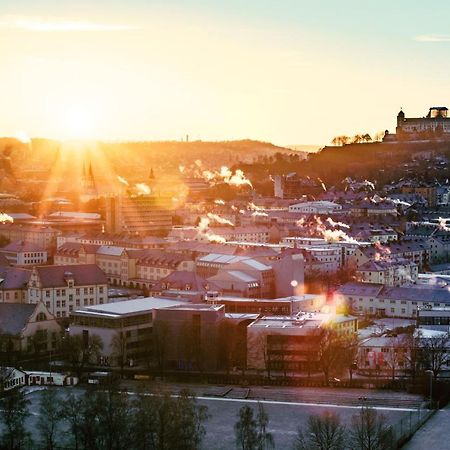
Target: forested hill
381	162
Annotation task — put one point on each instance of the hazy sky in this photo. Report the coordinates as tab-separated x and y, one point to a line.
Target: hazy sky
286	71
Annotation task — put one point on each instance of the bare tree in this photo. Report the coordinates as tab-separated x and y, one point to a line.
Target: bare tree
395	357
119	350
434	352
370	431
79	351
72	413
13	413
330	352
162	422
325	432
49	418
264	438
246	429
340	140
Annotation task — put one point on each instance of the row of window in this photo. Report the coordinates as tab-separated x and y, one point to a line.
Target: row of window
62	292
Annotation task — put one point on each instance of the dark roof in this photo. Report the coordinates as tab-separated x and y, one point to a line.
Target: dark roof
179	280
3	261
159	258
14	278
83	274
409	293
21	247
366	289
14	316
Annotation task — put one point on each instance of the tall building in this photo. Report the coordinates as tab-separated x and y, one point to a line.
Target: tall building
138	214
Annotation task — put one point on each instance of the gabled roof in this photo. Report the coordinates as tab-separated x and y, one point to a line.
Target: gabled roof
82	274
21	247
110	250
73	248
229	275
159	258
365	289
384	264
13	278
180	279
14	317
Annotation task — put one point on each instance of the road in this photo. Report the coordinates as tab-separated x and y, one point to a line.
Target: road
288	408
434	434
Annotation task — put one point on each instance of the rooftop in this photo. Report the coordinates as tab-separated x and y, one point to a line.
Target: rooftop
128	307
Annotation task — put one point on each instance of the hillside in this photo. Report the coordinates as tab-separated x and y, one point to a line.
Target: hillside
63	161
379	162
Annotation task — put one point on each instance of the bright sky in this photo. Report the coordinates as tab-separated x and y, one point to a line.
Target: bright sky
286	71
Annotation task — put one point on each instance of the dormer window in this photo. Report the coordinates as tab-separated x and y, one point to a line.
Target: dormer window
41	317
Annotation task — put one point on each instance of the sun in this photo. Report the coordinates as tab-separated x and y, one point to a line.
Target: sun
78	122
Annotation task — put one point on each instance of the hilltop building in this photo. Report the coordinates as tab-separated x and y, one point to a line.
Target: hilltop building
435	125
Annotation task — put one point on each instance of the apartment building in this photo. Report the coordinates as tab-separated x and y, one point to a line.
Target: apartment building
384	301
64	288
389	272
42	236
22	253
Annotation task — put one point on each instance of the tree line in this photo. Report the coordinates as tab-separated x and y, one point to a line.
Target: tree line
112	420
357	138
368	430
102	420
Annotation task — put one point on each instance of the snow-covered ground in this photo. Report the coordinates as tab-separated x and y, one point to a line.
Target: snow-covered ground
383	325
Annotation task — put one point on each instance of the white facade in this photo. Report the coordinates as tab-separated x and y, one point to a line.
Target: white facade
66	297
319	207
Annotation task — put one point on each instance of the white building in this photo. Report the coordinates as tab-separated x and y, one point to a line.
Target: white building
390	272
23	253
65	288
130	319
318	207
383	301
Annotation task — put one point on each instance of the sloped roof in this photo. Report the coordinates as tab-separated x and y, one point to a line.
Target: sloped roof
21	247
3	261
179	279
14	316
83	274
160	258
366	289
14	278
110	250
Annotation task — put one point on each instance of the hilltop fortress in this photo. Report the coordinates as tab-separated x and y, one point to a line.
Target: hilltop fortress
434	126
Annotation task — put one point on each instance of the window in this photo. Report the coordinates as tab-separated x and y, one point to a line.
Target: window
41	317
47	294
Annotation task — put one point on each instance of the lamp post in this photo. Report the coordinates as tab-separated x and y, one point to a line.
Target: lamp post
431	374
